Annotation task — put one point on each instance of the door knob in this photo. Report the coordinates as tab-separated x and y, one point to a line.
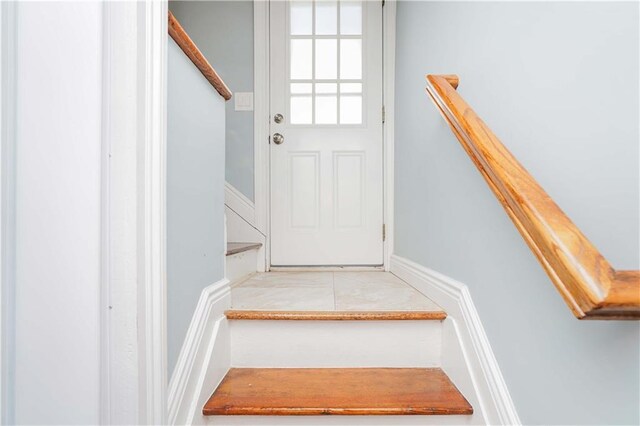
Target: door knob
278	118
278	138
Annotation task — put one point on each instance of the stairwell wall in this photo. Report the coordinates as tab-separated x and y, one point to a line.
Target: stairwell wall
223	31
195	193
558	83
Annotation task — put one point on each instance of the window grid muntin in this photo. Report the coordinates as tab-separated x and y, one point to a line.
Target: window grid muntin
313	81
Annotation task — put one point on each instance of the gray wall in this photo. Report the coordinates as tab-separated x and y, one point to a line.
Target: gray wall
223	31
558	83
195	193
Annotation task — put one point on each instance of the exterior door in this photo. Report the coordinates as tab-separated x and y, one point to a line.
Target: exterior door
326	132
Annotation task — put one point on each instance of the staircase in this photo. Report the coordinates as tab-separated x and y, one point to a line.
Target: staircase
346	344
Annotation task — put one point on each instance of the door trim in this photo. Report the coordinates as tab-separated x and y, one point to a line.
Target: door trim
152	253
145	375
261	122
388	101
262	117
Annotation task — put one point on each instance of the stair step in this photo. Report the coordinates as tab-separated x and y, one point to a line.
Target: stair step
235	248
239	314
336	391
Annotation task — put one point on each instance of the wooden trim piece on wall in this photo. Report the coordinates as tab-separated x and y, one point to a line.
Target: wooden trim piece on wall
182	39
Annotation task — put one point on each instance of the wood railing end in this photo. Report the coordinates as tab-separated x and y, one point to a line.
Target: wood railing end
588	283
452	79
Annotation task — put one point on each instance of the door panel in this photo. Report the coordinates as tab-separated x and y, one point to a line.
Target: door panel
326	175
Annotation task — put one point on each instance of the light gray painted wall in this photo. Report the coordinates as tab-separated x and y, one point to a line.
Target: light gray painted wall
57	206
223	31
195	193
558	83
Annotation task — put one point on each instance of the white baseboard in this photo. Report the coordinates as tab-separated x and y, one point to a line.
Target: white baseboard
239	203
204	358
472	346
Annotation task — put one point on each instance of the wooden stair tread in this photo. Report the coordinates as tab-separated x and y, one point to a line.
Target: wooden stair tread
336	391
235	248
239	314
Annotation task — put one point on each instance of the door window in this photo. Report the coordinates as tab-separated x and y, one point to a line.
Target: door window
325	82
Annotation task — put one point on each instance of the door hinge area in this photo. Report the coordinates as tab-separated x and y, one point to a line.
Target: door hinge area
384	114
384	232
383	2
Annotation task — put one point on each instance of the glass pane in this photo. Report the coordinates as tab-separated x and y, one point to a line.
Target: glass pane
351	110
300	17
351	58
301	59
350	17
303	88
326	59
351	88
326	110
326	17
300	112
326	88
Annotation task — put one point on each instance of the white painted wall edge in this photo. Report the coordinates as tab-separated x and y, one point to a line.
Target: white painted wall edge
207	334
7	208
152	314
494	398
240	204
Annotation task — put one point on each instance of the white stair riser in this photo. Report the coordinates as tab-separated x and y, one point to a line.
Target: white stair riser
300	344
241	264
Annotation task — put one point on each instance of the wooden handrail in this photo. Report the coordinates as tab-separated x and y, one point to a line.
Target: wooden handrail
187	45
590	286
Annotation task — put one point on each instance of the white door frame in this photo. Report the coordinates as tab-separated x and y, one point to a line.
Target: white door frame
135	41
143	27
389	91
262	121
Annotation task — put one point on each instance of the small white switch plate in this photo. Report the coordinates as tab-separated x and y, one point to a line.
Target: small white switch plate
243	101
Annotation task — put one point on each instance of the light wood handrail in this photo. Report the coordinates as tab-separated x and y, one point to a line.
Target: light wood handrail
590	286
182	39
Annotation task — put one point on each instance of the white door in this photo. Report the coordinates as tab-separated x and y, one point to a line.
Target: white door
326	172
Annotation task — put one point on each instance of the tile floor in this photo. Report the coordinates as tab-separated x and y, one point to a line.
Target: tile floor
328	291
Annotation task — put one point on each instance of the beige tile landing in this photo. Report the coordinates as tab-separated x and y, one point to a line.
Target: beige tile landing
328	292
